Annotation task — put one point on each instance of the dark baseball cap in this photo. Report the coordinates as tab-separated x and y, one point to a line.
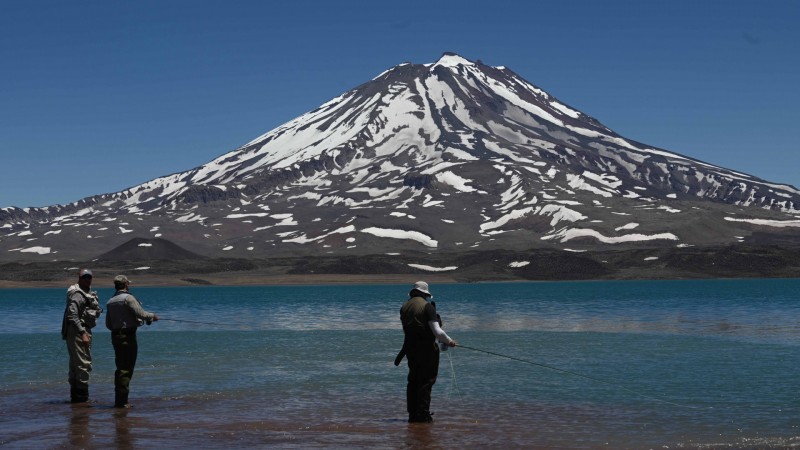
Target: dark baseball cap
85	273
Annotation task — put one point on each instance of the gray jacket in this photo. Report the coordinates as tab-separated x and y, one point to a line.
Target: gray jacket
123	311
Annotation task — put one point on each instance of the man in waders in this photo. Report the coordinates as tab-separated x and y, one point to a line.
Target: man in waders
422	329
124	315
80	316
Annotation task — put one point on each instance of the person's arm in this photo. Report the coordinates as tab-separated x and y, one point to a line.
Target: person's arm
73	312
140	313
74	316
441	336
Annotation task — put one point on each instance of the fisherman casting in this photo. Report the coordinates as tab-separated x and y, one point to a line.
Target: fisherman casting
422	328
125	315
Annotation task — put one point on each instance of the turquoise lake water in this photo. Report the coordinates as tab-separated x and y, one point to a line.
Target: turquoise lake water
673	364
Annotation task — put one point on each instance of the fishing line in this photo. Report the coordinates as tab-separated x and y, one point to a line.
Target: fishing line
205	323
453	373
598	380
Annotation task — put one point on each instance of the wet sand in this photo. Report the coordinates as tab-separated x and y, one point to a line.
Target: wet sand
228	423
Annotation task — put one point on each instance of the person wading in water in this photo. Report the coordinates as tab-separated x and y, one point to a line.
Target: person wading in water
422	328
80	316
125	315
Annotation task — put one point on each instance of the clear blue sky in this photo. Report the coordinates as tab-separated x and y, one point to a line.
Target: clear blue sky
98	96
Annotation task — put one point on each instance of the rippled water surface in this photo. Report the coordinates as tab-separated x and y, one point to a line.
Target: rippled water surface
636	364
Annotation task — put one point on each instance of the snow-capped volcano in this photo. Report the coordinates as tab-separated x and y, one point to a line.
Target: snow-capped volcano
450	155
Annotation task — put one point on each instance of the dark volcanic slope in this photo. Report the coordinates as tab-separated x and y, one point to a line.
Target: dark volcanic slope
140	249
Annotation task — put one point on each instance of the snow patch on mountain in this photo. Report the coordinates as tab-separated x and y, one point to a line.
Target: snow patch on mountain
240	216
567	234
433	269
303	239
578	182
560	213
191	217
455	181
627	226
491	225
402	234
766	222
37	250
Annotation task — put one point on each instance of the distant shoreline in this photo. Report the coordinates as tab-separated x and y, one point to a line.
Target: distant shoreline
236	279
241	280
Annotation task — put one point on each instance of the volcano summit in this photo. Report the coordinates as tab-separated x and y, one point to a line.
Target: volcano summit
444	158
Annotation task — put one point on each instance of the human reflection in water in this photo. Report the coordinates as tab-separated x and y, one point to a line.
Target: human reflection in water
79	434
122	436
420	435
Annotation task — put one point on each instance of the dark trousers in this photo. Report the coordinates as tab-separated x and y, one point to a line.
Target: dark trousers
423	367
125	351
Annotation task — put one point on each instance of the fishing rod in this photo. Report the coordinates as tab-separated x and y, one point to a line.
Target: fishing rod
598	380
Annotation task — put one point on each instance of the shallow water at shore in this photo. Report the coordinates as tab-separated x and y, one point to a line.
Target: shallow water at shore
701	364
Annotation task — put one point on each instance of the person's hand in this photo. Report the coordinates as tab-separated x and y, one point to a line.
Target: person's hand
85	339
452	343
155	317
